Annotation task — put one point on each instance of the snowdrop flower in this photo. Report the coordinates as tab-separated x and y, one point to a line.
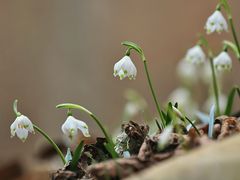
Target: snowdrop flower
71	125
125	68
165	137
188	72
223	62
21	126
216	22
195	55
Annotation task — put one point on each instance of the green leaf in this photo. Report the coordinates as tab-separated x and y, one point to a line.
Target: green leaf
132	45
158	125
191	122
76	156
231	95
232	46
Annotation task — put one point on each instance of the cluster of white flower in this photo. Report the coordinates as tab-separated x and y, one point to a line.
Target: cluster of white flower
23	125
216	22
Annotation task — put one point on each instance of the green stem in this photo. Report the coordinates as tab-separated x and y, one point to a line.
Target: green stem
215	85
51	142
234	33
152	91
103	129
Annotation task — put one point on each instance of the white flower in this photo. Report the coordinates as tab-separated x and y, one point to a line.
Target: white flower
195	55
125	68
223	62
71	125
165	136
21	126
216	22
188	72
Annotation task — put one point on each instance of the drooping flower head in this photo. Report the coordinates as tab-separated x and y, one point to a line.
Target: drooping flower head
125	68
71	126
223	62
216	22
195	55
21	126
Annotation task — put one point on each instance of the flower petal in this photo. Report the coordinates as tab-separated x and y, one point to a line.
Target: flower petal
82	126
22	133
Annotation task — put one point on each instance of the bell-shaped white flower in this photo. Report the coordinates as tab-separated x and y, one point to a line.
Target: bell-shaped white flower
223	62
125	68
216	22
71	125
21	126
195	55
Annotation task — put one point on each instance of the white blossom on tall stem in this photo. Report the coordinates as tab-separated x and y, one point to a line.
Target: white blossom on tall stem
223	62
216	22
195	55
71	125
125	68
21	126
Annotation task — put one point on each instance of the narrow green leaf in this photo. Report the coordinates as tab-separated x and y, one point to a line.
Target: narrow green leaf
193	125
231	95
158	125
76	156
132	45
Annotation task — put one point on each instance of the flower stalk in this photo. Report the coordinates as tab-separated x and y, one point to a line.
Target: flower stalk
204	42
215	85
135	47
225	5
51	142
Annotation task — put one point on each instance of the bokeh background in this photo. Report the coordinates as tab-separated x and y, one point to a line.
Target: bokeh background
64	51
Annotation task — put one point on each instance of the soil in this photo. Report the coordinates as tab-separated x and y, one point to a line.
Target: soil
96	162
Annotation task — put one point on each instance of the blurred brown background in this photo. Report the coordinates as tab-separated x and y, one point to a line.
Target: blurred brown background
64	51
